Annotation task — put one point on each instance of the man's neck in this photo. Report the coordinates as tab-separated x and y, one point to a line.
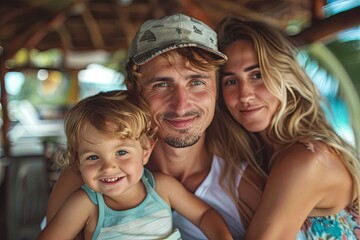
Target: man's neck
189	165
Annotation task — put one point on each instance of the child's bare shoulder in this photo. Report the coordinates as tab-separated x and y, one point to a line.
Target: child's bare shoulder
81	197
163	178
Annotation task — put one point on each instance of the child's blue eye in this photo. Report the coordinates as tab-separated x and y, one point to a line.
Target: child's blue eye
121	152
93	157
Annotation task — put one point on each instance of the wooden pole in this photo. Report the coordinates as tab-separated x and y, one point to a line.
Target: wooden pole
5	143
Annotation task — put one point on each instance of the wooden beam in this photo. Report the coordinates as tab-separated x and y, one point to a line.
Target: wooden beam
192	9
243	12
317	10
20	10
93	27
125	22
157	12
327	27
38	35
65	37
38	31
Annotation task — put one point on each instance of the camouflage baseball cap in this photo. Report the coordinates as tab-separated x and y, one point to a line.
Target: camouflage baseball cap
157	36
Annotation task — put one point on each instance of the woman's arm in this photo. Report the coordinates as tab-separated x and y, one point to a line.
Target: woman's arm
299	184
191	207
68	182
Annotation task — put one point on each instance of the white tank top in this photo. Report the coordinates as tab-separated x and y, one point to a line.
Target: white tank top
211	192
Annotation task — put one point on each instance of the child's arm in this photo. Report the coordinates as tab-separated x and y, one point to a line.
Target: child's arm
191	207
70	219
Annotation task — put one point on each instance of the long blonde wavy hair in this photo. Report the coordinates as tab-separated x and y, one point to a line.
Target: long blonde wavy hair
299	116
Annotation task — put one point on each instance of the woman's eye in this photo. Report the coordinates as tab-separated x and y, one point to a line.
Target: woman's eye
256	76
229	82
121	153
93	157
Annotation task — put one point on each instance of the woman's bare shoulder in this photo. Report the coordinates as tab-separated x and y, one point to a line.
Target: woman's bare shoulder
316	161
307	152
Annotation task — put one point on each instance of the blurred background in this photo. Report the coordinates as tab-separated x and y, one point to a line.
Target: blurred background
54	53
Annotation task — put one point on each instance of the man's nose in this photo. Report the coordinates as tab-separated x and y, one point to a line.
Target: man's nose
180	99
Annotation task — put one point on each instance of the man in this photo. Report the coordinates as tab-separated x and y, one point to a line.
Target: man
173	61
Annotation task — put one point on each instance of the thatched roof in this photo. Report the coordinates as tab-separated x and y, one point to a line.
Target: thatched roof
87	25
77	25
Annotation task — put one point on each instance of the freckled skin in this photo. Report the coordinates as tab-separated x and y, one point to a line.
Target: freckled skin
111	166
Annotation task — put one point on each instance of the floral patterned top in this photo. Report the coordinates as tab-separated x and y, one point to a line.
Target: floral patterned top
343	225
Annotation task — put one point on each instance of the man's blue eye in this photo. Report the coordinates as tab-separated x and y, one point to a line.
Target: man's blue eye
122	152
198	83
162	84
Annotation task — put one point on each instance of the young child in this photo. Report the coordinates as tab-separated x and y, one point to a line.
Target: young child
109	140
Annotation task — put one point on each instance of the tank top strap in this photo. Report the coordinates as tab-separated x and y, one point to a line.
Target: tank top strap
149	182
91	194
148	178
101	217
98	200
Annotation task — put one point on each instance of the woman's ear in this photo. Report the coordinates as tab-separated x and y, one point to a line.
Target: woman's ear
147	152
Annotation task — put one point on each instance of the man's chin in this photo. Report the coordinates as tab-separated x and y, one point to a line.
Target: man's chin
181	142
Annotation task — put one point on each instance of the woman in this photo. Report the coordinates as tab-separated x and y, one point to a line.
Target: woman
312	174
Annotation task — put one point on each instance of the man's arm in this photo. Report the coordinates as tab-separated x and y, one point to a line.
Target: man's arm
250	190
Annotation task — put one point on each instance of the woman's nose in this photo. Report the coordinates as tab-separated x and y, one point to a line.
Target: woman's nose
246	92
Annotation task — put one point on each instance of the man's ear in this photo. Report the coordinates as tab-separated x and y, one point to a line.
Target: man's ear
147	152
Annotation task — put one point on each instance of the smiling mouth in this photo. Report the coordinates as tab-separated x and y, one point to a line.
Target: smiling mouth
111	180
250	111
184	123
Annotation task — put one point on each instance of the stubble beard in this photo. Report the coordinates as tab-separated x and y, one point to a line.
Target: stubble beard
182	142
184	139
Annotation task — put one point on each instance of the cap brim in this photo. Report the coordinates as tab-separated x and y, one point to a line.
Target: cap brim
146	56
